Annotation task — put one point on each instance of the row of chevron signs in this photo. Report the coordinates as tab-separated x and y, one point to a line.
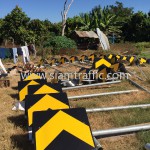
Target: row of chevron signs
125	58
54	125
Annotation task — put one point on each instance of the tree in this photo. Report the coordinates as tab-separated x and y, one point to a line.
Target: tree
64	15
57	28
149	13
73	24
86	22
1	24
14	23
123	13
104	19
39	29
138	28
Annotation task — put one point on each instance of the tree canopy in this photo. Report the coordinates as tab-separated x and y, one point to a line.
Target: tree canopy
113	19
15	25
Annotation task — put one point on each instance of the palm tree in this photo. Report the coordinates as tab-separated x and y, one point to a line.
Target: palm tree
106	21
85	20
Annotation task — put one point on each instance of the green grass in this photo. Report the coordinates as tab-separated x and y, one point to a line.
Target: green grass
143	137
133	117
130	117
144	101
145	54
7	60
144	49
143	44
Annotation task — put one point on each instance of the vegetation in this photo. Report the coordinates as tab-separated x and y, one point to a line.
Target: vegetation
15	26
143	44
13	125
113	20
122	119
144	138
60	42
138	27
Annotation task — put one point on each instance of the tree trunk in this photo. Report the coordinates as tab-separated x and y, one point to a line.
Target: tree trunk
63	30
64	15
63	27
6	42
34	50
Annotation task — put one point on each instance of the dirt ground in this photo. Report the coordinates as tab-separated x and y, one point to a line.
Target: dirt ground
13	129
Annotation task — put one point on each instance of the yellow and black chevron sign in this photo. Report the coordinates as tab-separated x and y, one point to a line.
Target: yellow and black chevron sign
53	61
83	58
118	56
23	87
44	88
63	60
43	102
72	59
92	57
102	56
130	59
101	62
124	57
43	61
113	60
115	67
142	60
102	74
32	76
82	73
110	56
67	129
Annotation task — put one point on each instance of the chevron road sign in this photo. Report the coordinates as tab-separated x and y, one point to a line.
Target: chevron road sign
23	87
45	88
66	129
32	76
42	102
101	62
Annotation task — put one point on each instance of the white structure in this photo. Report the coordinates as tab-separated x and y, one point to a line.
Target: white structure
2	66
103	39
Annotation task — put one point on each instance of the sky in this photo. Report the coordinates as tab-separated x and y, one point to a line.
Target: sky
51	9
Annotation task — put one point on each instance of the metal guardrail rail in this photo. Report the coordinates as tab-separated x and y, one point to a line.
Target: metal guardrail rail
91	110
120	131
138	86
91	85
101	94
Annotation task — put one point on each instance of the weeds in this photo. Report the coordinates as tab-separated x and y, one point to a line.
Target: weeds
143	137
131	117
143	44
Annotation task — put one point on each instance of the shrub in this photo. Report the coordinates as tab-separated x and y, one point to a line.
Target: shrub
44	52
60	42
143	44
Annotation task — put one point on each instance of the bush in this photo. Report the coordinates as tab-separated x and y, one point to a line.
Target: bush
143	44
44	52
58	43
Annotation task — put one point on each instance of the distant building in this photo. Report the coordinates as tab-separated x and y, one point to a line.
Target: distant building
85	39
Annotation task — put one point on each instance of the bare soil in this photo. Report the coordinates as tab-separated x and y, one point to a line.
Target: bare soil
13	129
